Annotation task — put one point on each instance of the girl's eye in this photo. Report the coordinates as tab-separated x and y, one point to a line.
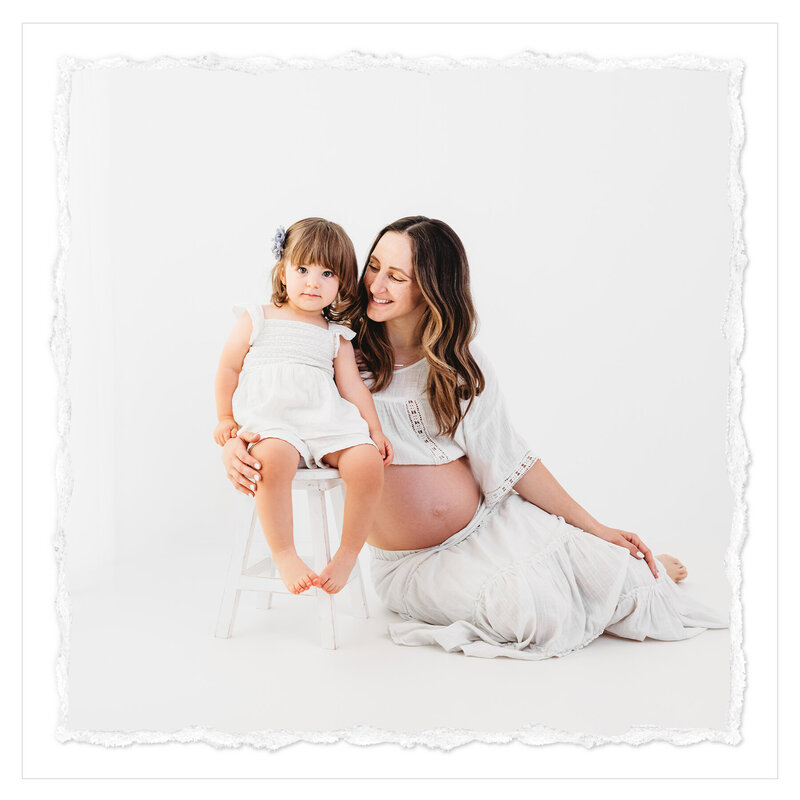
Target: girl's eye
327	274
302	270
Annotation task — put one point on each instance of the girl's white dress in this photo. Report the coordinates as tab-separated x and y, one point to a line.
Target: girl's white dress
516	581
286	388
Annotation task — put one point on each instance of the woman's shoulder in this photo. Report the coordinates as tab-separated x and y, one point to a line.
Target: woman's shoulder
483	359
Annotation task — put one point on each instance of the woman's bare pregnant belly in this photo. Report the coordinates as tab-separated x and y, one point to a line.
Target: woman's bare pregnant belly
422	505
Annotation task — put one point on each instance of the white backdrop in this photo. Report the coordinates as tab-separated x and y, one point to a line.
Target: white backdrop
593	206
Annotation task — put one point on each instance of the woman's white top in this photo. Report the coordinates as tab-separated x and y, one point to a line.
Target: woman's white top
498	455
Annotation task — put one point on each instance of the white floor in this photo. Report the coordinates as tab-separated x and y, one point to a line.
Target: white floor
143	657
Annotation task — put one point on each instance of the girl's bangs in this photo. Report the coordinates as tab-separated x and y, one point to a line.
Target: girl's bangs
326	251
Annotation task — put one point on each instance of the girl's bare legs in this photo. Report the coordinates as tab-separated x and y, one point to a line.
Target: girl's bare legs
279	461
361	468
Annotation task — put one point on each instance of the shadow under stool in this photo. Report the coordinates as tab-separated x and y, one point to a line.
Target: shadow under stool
262	576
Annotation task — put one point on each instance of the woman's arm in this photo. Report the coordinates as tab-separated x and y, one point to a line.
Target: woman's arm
539	486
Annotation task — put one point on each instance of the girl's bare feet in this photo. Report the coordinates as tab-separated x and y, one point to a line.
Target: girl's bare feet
674	568
334	577
294	572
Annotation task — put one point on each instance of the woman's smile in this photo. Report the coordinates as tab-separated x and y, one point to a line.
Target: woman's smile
391	268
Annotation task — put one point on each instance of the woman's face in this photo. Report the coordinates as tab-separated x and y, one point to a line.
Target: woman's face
392	289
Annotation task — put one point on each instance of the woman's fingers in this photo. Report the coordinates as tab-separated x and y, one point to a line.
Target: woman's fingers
645	551
246	471
650	559
239	483
632	548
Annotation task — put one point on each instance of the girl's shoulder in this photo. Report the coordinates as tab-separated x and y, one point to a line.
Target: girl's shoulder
270	311
341	330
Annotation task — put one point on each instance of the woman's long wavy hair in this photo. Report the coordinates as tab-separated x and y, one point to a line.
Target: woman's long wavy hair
319	241
446	328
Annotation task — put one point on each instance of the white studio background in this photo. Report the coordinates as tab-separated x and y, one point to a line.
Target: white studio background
604	40
593	206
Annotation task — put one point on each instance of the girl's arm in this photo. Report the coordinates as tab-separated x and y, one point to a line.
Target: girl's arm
227	378
539	486
352	388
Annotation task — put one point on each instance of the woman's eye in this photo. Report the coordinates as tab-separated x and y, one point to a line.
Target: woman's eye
396	279
373	268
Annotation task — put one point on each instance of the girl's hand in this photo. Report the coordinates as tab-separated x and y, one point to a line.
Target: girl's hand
240	467
226	429
384	446
631	541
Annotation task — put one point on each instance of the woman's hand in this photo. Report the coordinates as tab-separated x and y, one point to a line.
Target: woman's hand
240	467
384	446
226	429
629	540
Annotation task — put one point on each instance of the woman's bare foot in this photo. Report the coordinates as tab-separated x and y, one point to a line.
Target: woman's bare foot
674	568
334	577
294	572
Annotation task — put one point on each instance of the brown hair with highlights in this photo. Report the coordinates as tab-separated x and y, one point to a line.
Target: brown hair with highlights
446	328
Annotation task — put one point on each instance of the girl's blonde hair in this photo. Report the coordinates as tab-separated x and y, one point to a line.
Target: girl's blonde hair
446	328
319	241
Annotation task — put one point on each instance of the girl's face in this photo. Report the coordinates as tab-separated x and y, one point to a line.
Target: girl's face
392	289
310	287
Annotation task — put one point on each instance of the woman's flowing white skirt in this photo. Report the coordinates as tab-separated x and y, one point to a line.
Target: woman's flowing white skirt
522	583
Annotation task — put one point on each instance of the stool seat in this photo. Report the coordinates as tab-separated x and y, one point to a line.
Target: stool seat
262	575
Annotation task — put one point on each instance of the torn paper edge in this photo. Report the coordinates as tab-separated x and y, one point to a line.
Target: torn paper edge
738	455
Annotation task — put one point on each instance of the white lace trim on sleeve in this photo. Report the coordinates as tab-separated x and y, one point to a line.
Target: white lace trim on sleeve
494	497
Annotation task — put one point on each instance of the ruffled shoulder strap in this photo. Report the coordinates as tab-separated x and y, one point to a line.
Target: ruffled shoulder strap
256	313
337	331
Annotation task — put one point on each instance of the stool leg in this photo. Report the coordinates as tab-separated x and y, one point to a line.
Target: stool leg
264	599
237	564
356	593
320	538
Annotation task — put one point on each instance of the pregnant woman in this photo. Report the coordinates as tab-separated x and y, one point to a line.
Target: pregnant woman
476	545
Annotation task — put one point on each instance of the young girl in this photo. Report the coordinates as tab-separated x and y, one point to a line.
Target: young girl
288	373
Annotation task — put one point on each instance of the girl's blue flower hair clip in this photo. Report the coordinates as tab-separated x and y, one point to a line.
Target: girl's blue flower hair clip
277	242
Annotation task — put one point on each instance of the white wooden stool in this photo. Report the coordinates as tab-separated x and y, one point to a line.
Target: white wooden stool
262	576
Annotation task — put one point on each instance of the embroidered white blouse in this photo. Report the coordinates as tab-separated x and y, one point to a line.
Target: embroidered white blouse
498	455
